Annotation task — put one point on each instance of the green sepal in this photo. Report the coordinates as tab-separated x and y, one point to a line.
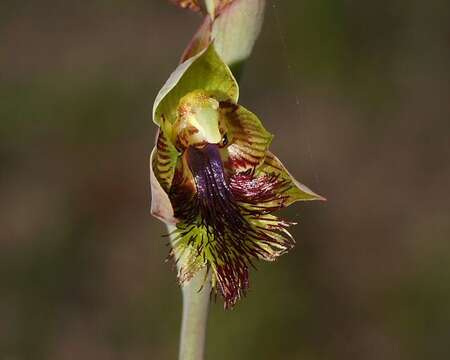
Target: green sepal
206	71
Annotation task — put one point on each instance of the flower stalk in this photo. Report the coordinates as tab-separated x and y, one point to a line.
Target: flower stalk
196	297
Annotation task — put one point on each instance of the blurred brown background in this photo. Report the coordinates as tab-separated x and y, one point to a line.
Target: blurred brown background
357	94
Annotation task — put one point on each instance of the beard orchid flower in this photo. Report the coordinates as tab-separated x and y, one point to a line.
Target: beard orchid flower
214	179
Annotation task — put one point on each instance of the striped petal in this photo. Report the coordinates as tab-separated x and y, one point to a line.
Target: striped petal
248	139
164	160
161	207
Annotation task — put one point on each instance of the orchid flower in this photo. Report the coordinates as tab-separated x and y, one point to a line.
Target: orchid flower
214	179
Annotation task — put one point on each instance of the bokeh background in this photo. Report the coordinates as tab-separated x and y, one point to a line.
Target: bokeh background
357	93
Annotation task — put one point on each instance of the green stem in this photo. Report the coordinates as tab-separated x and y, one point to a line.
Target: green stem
196	297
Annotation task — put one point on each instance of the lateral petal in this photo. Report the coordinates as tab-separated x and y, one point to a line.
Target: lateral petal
249	140
161	207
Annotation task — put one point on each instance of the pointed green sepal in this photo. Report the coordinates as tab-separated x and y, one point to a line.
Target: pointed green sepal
205	71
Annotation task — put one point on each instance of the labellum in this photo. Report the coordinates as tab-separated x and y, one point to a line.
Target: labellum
214	178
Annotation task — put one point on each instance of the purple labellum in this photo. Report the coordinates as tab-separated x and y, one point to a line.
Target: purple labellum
237	231
216	203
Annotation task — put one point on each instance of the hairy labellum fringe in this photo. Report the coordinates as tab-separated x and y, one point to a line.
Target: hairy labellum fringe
226	223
